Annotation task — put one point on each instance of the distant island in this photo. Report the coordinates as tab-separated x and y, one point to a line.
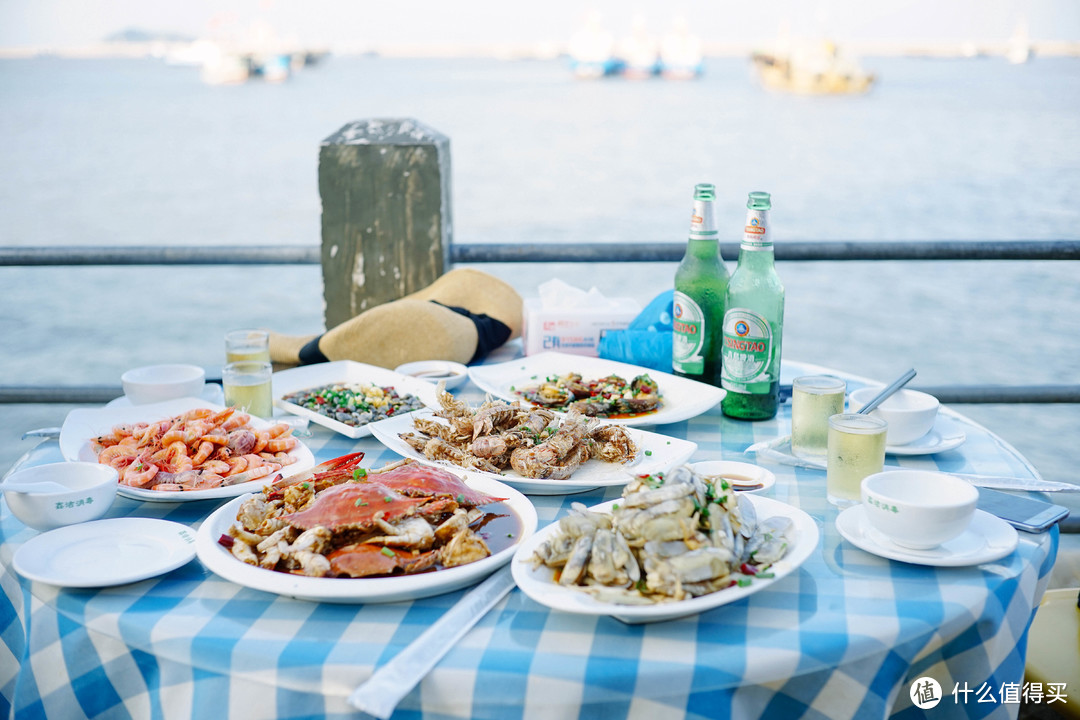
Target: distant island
138	35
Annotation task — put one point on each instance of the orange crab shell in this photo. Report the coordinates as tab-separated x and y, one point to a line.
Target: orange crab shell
362	560
423	480
354	506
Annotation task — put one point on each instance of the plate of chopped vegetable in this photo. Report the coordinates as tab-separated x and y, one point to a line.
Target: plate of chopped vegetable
618	393
348	397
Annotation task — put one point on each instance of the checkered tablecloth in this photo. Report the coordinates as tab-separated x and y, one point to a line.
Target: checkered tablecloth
844	636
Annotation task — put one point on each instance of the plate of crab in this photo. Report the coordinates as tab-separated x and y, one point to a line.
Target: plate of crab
674	545
532	449
342	533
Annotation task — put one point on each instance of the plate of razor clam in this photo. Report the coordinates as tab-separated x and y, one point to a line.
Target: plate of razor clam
672	546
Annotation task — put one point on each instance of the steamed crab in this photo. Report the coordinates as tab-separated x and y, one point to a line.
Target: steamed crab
533	441
669	538
340	520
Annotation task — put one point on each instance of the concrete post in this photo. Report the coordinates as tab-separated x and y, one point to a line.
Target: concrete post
386	229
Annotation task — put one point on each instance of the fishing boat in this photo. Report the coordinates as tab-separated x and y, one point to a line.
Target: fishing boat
819	70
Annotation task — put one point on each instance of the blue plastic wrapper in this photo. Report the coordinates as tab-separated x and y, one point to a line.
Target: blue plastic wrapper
647	340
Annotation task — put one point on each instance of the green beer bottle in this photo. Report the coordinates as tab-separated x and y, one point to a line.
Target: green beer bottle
700	283
753	322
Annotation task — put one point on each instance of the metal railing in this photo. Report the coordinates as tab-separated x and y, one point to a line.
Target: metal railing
797	251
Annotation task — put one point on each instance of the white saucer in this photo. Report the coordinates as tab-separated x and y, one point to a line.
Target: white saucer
211	392
739	469
105	552
945	435
988	538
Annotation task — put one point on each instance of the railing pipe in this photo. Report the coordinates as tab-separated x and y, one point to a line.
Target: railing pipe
950	394
796	251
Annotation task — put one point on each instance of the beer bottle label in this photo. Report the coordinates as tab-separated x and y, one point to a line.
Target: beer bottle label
756	235
688	343
747	349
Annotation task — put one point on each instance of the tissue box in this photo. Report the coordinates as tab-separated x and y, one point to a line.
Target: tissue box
573	330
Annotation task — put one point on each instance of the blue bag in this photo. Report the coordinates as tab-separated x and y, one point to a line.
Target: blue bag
647	340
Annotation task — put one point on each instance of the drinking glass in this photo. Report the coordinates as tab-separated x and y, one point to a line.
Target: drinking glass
247	346
856	448
814	399
247	387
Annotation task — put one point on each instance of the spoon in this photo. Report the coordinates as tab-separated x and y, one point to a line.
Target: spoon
885	393
45	486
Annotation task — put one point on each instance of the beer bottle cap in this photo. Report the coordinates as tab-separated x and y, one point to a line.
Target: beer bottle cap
704	191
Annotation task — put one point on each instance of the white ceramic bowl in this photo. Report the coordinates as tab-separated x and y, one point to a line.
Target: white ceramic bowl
910	413
87	493
918	509
158	383
435	371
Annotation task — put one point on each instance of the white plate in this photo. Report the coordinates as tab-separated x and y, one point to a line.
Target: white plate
211	392
988	538
539	583
682	398
656	453
105	552
348	372
436	371
84	424
945	435
739	469
360	590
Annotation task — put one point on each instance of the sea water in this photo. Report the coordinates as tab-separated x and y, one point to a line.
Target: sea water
136	152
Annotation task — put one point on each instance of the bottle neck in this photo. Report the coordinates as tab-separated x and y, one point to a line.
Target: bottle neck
703	222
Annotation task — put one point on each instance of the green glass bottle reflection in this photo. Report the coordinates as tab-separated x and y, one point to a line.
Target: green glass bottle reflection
700	283
753	322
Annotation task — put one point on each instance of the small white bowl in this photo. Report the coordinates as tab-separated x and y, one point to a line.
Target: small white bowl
743	477
157	383
88	490
918	509
436	370
910	413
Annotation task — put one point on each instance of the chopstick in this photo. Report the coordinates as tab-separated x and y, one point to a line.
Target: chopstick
382	692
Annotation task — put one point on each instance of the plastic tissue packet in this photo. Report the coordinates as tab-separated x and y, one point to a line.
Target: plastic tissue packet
646	341
571	320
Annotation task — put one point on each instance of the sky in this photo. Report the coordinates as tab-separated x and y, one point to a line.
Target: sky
366	23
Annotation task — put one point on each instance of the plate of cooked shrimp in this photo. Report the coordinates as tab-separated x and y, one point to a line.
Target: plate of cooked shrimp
184	449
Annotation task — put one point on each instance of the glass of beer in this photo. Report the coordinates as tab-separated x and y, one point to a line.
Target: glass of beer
247	387
814	399
856	448
247	346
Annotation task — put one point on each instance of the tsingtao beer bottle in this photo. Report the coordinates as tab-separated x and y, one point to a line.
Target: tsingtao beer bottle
700	283
753	322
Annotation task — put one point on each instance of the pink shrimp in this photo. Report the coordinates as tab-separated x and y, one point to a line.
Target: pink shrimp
117	456
203	453
237	420
278	430
262	438
139	473
281	444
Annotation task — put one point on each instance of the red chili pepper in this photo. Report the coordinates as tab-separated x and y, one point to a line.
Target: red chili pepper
747	569
226	540
321	400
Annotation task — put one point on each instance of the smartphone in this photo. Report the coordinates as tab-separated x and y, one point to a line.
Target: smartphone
1023	513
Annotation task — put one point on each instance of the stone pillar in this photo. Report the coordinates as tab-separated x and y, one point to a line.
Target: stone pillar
386	230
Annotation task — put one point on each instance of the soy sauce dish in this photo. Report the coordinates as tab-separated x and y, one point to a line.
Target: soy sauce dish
435	371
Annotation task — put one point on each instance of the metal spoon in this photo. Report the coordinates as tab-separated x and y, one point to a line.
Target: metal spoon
889	390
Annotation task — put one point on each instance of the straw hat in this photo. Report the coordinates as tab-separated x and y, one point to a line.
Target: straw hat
420	326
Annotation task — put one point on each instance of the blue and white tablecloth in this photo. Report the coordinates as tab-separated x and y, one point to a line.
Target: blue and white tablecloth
844	636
